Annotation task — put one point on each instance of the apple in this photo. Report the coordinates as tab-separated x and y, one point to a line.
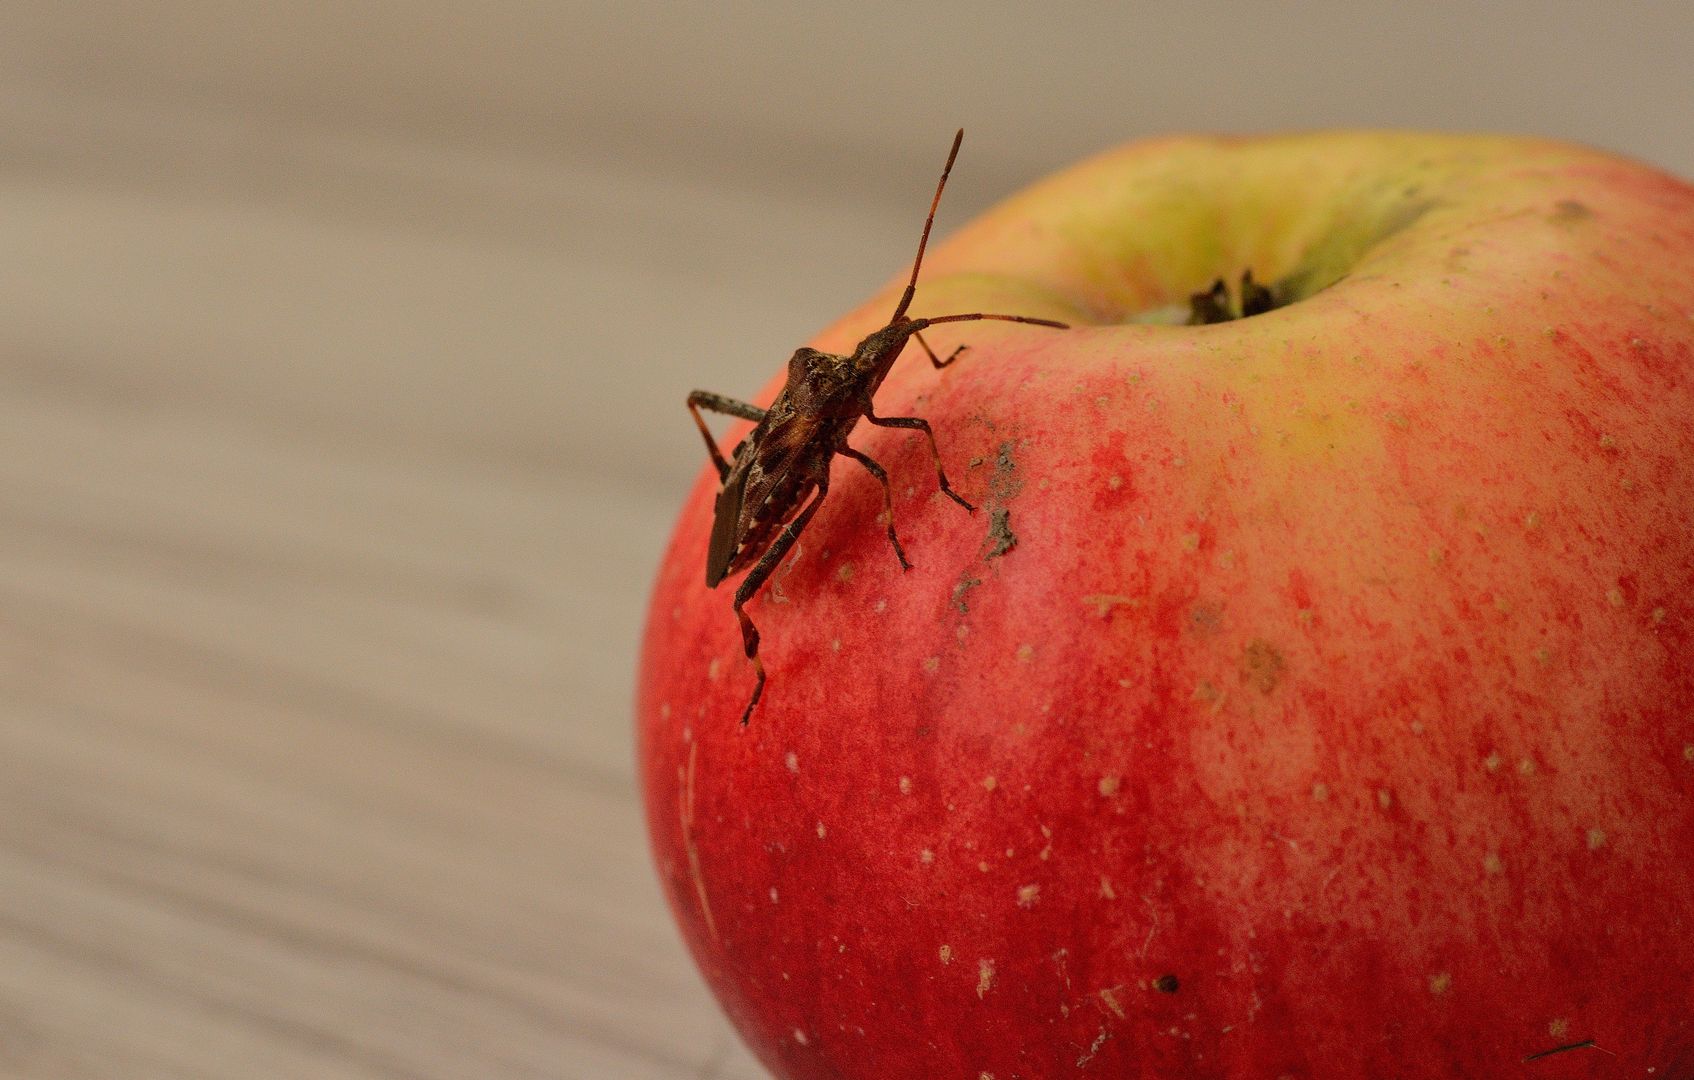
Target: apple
1312	695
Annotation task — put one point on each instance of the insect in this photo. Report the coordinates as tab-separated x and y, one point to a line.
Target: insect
775	480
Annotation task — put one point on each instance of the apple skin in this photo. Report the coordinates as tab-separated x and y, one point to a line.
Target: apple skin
1332	714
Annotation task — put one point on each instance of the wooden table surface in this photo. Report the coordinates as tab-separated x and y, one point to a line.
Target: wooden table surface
323	555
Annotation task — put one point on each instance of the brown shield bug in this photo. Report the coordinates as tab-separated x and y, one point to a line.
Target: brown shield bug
779	475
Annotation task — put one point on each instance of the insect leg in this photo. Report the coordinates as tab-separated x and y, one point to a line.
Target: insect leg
887	498
936	360
914	423
756	577
719	404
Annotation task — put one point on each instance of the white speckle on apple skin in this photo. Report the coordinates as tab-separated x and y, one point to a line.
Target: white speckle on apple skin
800	1037
989	783
792	761
1109	996
1028	895
946	954
926	856
905	785
1596	839
1492	761
1492	865
1558	1027
1026	653
931	665
1440	983
1109	785
984	977
822	832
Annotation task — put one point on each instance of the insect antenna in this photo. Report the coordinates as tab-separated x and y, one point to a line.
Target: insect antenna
912	286
976	315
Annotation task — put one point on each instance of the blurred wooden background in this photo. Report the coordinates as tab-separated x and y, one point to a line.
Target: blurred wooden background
342	356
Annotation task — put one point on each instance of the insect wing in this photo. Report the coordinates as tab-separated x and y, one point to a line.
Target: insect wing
759	473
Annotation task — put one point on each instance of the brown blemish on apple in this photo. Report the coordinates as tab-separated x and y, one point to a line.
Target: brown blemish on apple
1003	487
1569	212
964	586
1262	665
1492	864
1558	1027
1596	839
1000	539
1440	983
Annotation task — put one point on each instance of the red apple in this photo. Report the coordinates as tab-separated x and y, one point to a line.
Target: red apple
1313	696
